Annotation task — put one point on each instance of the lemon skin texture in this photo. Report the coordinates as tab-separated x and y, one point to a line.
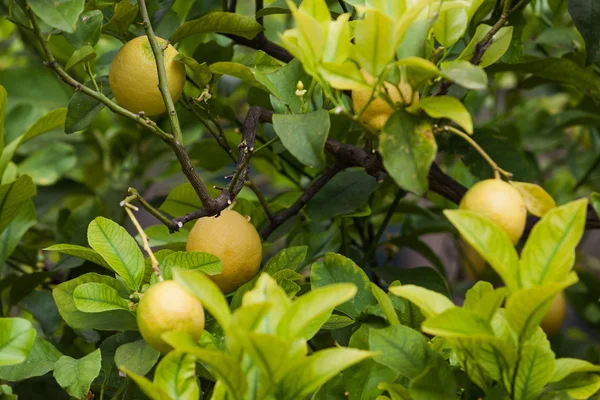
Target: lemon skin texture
555	316
500	202
378	112
233	239
167	307
475	266
133	77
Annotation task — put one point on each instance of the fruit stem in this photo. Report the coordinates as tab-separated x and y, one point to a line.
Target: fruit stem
267	144
129	210
162	73
497	170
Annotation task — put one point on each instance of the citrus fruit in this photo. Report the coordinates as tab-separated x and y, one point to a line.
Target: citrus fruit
379	110
233	239
553	319
475	265
167	307
133	77
500	202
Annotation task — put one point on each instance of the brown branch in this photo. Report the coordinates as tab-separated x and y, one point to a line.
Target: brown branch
260	42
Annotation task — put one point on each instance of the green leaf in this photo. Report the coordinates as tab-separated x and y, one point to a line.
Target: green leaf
237	70
337	322
386	304
137	357
282	86
181	200
269	352
465	74
59	14
564	367
537	200
39	362
485	303
289	258
12	197
118	249
305	316
196	261
76	376
278	7
150	389
431	303
207	292
317	369
201	73
526	308
435	382
336	268
425	277
491	242
585	14
80	56
549	253
408	148
223	366
457	322
577	386
3	96
495	51
448	107
16	340
222	22
176	376
401	348
48	164
95	297
343	194
451	26
84	253
108	321
397	391
533	372
375	41
82	109
9	239
304	135
87	30
124	15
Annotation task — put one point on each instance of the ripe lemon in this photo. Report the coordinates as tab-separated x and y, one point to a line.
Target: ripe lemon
500	202
233	239
475	266
167	307
378	112
555	316
133	77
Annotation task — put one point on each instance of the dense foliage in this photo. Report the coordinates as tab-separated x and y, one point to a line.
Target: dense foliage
346	133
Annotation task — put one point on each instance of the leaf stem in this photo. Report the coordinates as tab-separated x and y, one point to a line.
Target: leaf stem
267	144
129	210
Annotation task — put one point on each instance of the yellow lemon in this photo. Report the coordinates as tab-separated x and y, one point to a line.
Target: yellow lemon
167	307
379	110
133	77
555	316
233	239
475	266
500	202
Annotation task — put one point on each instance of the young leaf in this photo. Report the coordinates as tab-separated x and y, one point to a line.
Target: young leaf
451	25
194	261
431	303
269	352
288	258
12	197
448	107
124	15
137	357
495	51
87	30
108	321
207	292
548	255
317	369
534	370
118	249
80	56
222	22
240	71
60	14
375	41
577	386
397	391
490	241
39	362
150	389
2	117
386	304
336	268
176	376
564	367
201	73
80	252
95	297
76	376
16	340
82	109
181	200
303	317
401	348
435	382
537	200
408	148
457	322
304	135
465	74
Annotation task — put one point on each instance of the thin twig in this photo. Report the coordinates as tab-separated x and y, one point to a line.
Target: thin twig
162	73
134	195
129	210
261	198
